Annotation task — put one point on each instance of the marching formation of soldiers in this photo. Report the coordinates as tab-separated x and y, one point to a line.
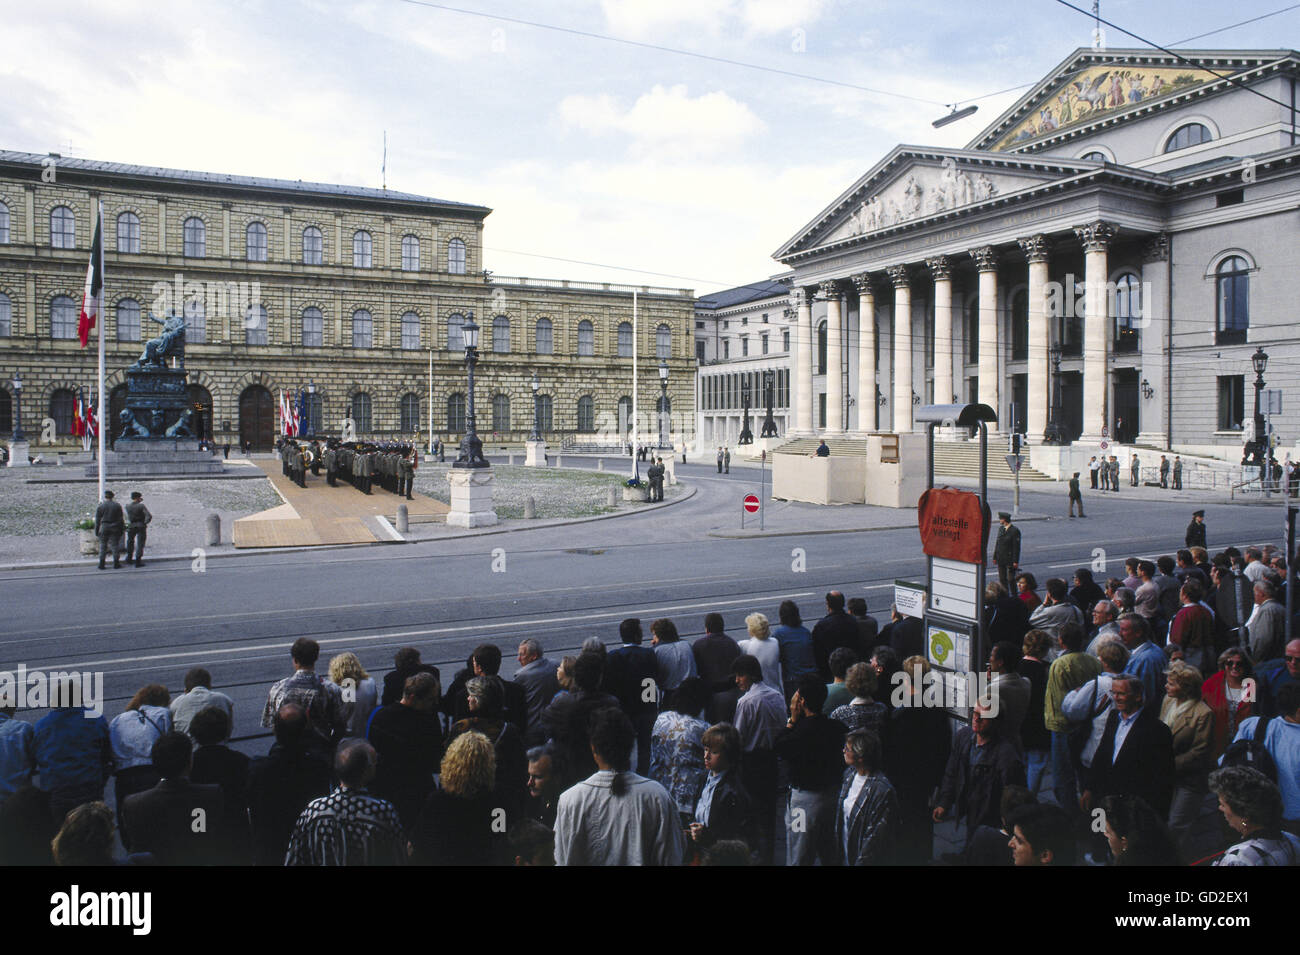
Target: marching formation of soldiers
363	465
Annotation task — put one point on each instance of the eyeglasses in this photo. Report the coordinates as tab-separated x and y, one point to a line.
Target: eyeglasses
1238	664
1292	659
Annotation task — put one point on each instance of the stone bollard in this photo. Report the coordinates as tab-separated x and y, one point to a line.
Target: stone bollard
511	459
600	464
213	529
612	497
530	509
557	461
403	522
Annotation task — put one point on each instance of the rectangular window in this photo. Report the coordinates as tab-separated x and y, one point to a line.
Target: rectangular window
821	410
785	340
699	351
726	348
764	344
744	345
1232	404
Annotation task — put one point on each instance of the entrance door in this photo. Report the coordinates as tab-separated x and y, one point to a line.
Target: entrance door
201	403
1019	402
1125	403
1072	404
256	419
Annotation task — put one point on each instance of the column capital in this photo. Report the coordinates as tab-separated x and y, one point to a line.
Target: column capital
899	275
829	290
1037	248
986	258
1156	250
865	284
1096	236
798	298
940	268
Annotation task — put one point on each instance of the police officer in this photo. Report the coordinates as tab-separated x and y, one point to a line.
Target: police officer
138	518
1196	530
1006	550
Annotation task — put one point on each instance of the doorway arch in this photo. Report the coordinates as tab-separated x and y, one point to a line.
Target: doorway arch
256	419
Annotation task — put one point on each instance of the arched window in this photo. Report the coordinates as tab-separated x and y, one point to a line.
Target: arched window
61	403
586	414
4	224
625	415
410	253
128	320
362	247
455	332
313	327
128	233
663	342
500	334
196	323
6	316
586	339
1232	287
821	349
1020	326
255	242
544	408
362	329
456	257
63	317
1190	134
625	343
500	413
255	325
63	228
195	238
456	413
410	331
361	412
313	244
1128	312
545	337
410	413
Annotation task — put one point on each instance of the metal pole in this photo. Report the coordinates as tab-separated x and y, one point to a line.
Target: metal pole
762	492
981	651
99	414
1290	568
430	401
635	350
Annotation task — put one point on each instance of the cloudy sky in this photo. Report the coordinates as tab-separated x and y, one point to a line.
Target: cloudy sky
599	157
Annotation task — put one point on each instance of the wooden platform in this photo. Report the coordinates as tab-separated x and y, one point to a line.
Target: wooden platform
320	515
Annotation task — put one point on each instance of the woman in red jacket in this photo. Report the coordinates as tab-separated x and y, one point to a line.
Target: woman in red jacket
1231	694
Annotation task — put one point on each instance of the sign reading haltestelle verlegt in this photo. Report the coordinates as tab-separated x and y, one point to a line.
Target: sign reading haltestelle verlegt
954	524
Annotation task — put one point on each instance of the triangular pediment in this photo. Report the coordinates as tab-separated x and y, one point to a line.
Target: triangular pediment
1093	86
913	184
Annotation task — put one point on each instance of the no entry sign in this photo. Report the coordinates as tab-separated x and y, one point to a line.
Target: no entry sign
751	503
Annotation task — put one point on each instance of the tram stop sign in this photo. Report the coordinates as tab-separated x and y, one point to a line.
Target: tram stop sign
751	503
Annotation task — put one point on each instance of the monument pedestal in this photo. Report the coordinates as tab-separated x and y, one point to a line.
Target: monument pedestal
18	454
535	454
471	497
153	457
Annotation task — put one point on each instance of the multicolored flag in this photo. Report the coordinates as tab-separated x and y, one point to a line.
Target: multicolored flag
93	301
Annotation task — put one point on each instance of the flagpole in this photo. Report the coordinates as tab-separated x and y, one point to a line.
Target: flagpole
635	470
99	412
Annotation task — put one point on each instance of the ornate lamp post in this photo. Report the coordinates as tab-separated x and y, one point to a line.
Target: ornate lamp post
746	435
1258	453
663	403
471	448
536	435
1055	433
311	408
18	407
769	426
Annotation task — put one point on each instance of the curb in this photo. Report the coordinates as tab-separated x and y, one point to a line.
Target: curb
745	535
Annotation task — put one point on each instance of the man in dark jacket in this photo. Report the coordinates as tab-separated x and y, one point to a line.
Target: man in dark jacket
138	519
836	629
178	822
714	653
406	664
1195	536
1141	763
980	765
630	676
1076	496
281	783
1005	617
536	674
868	629
110	524
567	720
1006	551
811	747
217	764
486	661
408	739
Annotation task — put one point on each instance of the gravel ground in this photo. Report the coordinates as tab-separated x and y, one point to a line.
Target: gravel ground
37	520
558	492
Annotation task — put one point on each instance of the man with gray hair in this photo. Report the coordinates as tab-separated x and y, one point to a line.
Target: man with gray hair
1255	568
1146	662
536	674
1124	601
1105	617
1266	628
349	827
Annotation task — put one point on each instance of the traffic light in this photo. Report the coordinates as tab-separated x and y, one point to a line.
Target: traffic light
1015	442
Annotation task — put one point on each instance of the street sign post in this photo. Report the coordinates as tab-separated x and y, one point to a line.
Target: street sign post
749	504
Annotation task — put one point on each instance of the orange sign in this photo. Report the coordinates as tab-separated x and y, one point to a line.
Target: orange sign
954	524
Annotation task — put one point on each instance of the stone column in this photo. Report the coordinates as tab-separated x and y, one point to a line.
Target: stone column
1037	249
866	351
830	291
802	352
1096	238
901	276
990	390
941	269
1153	328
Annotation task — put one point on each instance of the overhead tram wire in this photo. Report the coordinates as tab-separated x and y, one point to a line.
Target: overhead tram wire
1233	26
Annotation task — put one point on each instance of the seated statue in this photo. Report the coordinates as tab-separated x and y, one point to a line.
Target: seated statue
183	427
170	342
130	427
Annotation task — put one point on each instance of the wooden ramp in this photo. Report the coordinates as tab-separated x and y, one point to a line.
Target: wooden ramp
320	515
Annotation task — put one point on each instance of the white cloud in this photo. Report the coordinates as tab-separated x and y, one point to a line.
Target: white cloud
666	119
639	18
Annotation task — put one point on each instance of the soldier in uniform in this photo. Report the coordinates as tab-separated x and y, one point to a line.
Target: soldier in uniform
1114	473
408	474
1076	496
726	460
719	460
1103	473
652	475
368	470
1164	471
1006	550
315	458
1178	473
109	525
1196	530
329	454
1133	468
138	518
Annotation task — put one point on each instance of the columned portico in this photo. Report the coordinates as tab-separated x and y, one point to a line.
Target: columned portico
830	291
1037	249
1154	411
990	391
866	352
803	349
941	269
1096	238
901	276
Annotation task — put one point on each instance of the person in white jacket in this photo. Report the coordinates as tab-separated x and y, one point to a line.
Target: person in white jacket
1092	700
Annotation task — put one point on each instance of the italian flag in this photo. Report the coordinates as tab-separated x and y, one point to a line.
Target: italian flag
93	301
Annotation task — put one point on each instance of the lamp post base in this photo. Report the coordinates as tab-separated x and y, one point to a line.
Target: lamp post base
18	454
471	497
535	454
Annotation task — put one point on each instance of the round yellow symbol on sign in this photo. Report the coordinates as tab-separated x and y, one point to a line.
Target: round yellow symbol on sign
940	646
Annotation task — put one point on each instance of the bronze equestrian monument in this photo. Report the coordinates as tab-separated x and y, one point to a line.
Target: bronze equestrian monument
157	430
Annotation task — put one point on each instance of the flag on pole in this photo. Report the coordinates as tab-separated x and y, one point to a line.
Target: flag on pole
300	414
92	302
78	428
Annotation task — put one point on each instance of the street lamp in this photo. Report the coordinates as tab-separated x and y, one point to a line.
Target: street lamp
311	408
1258	454
18	407
471	448
769	426
535	384
663	402
1055	433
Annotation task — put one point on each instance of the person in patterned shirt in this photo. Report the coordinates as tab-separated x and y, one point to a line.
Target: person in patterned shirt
349	827
321	699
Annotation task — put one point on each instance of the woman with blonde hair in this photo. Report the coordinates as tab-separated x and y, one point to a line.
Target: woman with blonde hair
456	826
86	837
1191	723
360	693
144	721
761	645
